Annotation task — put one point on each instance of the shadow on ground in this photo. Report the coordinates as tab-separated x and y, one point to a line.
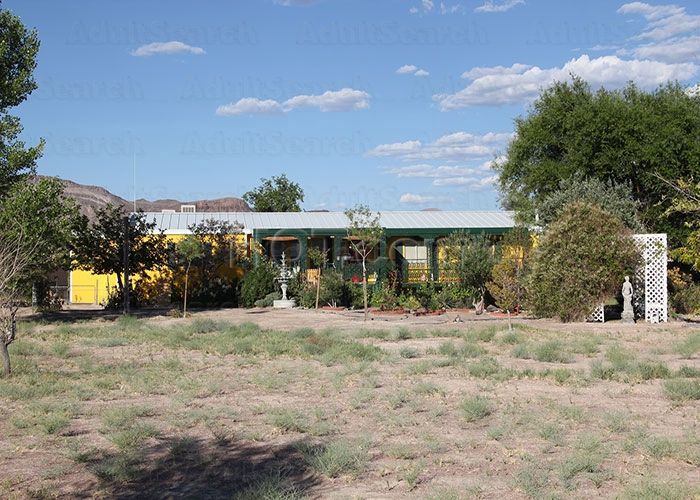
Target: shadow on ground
194	468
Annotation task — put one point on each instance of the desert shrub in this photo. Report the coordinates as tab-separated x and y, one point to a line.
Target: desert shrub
268	300
686	300
334	290
451	296
385	297
509	275
581	260
258	282
426	294
355	296
409	302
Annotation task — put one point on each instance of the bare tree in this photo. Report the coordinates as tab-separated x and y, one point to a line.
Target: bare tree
15	258
364	234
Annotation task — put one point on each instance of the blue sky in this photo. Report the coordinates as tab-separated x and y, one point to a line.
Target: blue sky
399	104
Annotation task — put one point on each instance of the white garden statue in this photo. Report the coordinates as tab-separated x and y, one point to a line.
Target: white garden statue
627	309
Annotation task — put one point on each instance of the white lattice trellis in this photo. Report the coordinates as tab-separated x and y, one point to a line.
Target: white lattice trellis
598	314
652	277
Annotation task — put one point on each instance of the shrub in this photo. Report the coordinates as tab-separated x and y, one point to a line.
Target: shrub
686	300
385	298
681	389
581	260
409	302
475	408
258	282
269	299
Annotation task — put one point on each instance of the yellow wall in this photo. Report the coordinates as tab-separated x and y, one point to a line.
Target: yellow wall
89	288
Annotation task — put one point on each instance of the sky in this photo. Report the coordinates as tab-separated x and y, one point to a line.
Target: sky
397	104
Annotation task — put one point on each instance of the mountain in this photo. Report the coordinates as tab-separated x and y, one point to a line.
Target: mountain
91	198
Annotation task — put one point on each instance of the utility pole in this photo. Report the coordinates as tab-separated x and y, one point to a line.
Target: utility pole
127	279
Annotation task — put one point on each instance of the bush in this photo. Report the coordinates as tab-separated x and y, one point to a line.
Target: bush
258	282
385	298
687	300
581	260
409	302
269	299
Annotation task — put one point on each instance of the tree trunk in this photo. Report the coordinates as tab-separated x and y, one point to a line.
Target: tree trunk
184	304
364	285
6	368
318	286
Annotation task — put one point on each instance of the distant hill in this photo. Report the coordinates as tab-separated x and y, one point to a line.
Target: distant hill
91	198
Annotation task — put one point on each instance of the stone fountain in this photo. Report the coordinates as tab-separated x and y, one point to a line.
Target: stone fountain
283	280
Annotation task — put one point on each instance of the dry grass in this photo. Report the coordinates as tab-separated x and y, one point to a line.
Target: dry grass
211	408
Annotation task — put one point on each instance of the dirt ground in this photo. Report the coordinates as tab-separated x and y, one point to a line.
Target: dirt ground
269	403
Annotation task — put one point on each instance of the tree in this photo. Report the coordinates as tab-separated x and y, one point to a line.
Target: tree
685	200
99	246
278	194
15	256
621	136
364	233
18	51
38	210
508	277
616	199
580	261
189	249
469	258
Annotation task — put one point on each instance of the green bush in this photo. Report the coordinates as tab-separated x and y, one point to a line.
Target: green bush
581	261
258	282
385	298
687	300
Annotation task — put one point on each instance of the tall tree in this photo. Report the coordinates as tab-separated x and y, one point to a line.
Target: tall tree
278	194
99	246
216	265
39	211
18	51
619	136
364	233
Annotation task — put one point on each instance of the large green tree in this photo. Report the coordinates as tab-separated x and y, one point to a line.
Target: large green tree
278	194
18	50
39	211
622	136
99	246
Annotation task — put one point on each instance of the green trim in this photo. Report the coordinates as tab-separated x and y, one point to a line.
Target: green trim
421	233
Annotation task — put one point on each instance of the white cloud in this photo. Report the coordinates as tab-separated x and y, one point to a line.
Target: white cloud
396	149
493	6
480	71
470	183
411	69
676	50
166	48
415	199
250	105
407	69
665	21
522	83
345	99
427	171
673	33
339	100
458	146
